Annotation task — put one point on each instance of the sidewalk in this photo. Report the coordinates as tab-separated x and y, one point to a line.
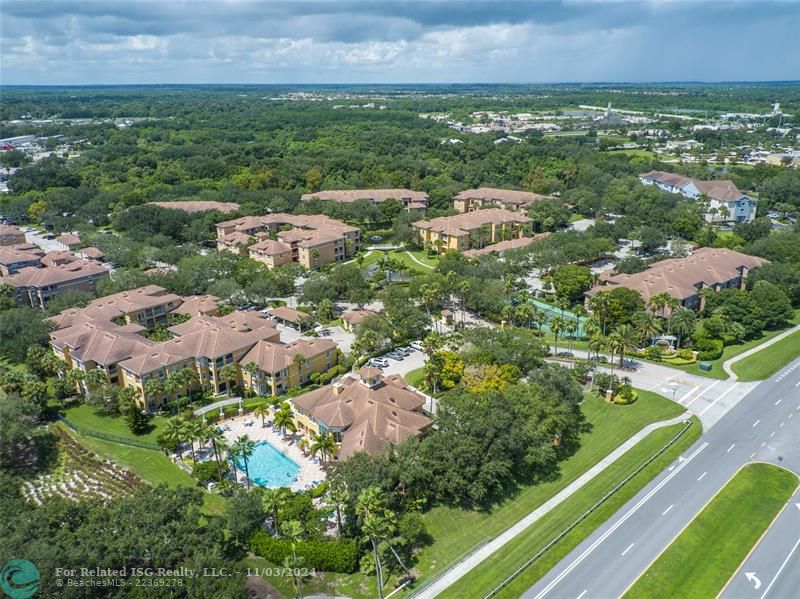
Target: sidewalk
474	559
726	365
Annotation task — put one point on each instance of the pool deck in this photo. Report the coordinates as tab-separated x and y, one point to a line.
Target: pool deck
310	469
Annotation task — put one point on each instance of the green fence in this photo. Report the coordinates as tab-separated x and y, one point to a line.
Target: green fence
106	437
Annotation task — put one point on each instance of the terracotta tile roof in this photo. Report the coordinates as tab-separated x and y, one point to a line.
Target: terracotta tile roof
376	195
195	305
272	357
502	246
58	257
371	417
721	190
354	317
103	343
68	239
462	224
287	314
682	277
56	275
506	196
92	252
126	302
192	206
665	178
270	247
9	255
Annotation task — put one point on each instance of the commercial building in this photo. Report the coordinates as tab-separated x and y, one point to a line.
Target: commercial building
312	241
472	230
109	335
490	197
413	201
685	278
725	203
365	411
37	286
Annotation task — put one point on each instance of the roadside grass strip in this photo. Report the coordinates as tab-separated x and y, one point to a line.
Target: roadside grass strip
510	571
763	364
700	561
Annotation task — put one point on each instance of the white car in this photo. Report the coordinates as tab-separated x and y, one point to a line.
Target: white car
417	345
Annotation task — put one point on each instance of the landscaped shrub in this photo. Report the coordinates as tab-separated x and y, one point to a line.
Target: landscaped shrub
685	354
653	353
208	471
329	556
710	349
625	396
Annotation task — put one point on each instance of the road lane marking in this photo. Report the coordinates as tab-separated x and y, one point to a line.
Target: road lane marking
764	443
702	476
781	424
730	448
772	434
618	523
666	511
582	594
755	424
777	403
713	403
790	414
699	395
778	573
752	455
627	549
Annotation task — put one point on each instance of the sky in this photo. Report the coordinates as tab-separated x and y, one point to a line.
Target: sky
374	41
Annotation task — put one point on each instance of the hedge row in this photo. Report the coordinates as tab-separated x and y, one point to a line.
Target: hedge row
330	556
709	349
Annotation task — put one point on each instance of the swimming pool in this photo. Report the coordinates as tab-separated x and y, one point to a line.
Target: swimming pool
269	467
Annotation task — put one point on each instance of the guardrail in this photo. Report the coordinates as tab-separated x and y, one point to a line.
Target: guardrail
107	437
587	513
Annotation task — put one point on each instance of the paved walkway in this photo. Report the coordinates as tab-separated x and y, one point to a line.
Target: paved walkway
414	258
474	559
726	365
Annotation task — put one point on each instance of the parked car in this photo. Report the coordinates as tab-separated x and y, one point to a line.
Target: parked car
378	363
417	345
406	351
395	355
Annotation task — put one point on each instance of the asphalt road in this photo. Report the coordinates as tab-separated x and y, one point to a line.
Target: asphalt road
773	568
764	425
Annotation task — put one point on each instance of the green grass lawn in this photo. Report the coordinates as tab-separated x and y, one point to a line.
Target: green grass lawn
731	351
420	255
688	568
152	466
768	361
455	531
633	152
89	417
504	562
415	377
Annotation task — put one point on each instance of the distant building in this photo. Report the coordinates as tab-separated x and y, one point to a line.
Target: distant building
13	260
352	318
279	368
365	412
37	286
490	197
11	235
69	241
472	230
192	206
791	158
725	202
276	239
684	278
413	201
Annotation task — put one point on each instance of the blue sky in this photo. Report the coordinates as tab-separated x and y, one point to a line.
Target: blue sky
352	41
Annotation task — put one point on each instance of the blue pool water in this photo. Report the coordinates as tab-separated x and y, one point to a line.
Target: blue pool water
269	467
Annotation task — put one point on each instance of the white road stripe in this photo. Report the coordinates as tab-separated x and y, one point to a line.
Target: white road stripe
702	476
666	511
755	424
627	549
703	392
730	448
618	523
783	565
777	403
582	594
720	397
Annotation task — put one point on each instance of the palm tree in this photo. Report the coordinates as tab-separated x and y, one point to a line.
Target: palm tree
299	361
252	369
95	378
272	501
324	445
153	388
432	343
525	313
244	447
172	384
614	344
192	431
188	378
557	326
571	328
229	374
175	431
285	419
217	438
682	323
597	342
74	377
628	338
338	498
429	295
263	411
293	530
658	302
648	325
375	524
